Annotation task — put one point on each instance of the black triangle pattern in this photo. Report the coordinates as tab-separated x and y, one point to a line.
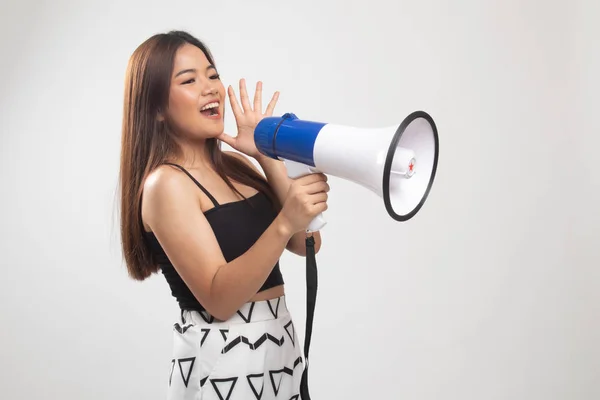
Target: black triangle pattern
206	332
255	345
186	376
276	312
276	385
226	380
171	373
179	329
280	372
253	386
296	362
295	397
224	333
291	335
249	317
203	381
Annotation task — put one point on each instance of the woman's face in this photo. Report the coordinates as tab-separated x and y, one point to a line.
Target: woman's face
196	97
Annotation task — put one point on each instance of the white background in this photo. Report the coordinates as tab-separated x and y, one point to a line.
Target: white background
490	292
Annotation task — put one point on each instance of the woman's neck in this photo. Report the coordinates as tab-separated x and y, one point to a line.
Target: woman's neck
193	156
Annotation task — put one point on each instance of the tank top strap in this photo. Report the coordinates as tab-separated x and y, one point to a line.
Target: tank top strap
210	196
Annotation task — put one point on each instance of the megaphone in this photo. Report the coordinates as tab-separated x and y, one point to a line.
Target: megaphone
398	162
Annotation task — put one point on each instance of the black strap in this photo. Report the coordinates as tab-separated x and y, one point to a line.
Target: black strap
311	299
196	182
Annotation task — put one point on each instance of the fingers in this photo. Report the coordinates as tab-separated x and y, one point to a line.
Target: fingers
312	178
272	103
313	183
319	198
258	97
244	96
321	207
235	106
317	187
245	101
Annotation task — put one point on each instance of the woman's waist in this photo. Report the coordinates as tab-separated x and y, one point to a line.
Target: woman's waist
268	305
269	293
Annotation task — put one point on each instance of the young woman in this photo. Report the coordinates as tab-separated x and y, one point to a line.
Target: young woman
212	223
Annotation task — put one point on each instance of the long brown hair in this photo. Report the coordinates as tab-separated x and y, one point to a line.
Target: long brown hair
146	143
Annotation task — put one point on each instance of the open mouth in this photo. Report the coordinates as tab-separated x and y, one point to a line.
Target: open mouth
210	110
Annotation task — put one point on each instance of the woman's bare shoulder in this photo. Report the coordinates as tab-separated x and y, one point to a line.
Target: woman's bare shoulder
164	188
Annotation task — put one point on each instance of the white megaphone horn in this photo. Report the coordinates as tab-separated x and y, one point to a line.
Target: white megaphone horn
398	162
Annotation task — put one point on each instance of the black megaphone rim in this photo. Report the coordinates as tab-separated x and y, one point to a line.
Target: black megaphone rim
390	157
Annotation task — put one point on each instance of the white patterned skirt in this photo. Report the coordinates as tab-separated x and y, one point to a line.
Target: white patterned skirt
255	355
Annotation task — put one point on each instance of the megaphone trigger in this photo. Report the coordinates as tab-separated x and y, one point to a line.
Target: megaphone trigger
297	170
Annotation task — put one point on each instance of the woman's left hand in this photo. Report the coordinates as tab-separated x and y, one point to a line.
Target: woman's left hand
247	118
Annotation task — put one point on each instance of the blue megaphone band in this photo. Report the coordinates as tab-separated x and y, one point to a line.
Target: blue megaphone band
287	137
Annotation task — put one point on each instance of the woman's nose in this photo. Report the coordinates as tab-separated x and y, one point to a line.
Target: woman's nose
209	90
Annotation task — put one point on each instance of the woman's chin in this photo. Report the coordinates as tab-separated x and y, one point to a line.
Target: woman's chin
211	132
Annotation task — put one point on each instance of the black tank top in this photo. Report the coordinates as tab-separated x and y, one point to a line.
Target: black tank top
237	226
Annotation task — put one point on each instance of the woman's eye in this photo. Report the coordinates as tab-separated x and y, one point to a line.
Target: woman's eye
216	76
189	81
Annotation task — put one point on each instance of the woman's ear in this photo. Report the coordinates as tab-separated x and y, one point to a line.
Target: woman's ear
160	117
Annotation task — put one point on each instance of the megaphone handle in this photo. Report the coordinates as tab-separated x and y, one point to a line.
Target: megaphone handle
296	170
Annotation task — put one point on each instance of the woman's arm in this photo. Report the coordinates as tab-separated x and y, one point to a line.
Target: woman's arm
276	174
170	207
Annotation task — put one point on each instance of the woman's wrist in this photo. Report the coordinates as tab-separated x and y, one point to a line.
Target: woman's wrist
283	227
272	166
263	159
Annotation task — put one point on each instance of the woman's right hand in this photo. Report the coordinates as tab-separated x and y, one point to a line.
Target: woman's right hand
306	198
